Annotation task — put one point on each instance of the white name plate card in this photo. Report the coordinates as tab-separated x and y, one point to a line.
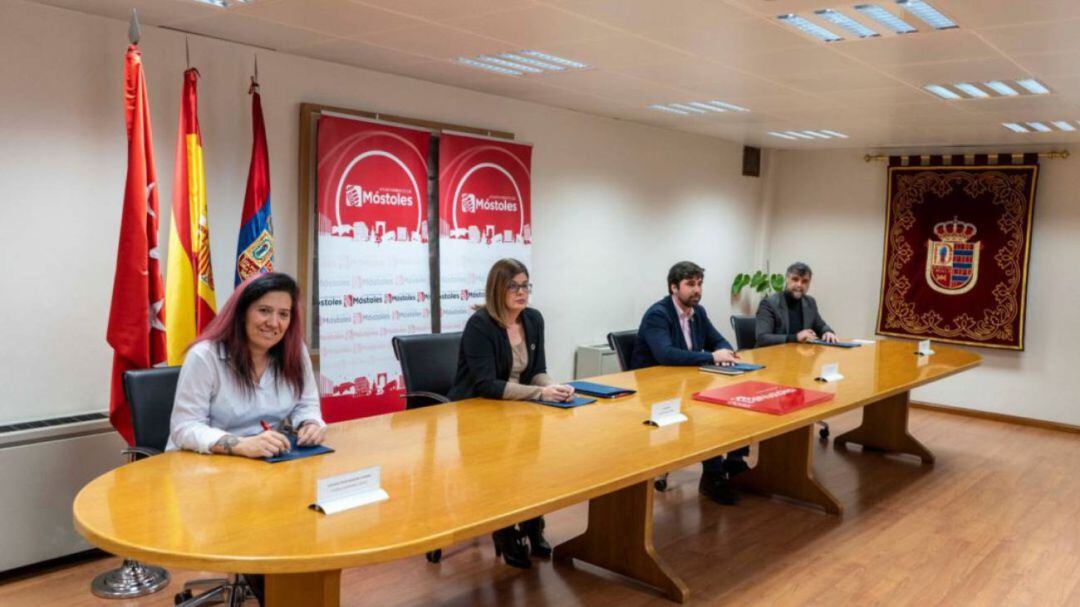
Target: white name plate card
666	413
830	373
924	348
350	490
865	342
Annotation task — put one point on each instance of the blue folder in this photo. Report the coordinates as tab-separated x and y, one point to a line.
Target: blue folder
577	401
602	390
298	452
839	344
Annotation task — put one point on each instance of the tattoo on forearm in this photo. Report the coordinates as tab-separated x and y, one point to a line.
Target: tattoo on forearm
227	442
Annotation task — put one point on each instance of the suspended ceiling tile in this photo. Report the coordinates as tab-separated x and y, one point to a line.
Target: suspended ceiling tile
1051	65
625	89
533	27
151	12
920	47
948	72
732	39
355	53
438	10
693	72
438	42
734	89
339	18
823	82
1054	36
991	13
647	16
792	62
618	52
237	27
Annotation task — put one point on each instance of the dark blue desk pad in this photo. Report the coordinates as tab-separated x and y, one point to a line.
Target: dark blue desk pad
735	369
602	390
577	401
297	452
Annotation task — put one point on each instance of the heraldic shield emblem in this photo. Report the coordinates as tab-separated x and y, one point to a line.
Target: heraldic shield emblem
952	261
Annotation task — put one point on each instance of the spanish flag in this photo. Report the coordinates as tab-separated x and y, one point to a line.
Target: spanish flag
189	282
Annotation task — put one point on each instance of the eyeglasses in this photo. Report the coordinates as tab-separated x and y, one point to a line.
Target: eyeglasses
514	287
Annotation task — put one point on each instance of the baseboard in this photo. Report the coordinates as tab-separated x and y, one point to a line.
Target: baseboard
998	417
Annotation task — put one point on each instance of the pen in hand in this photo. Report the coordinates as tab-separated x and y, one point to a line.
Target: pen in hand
268	428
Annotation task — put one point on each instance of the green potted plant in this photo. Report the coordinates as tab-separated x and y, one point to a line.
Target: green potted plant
762	283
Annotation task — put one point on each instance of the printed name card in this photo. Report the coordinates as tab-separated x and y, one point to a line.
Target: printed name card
924	348
830	373
350	490
666	413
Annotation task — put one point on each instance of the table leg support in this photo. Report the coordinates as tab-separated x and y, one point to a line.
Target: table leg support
619	539
317	589
885	428
785	469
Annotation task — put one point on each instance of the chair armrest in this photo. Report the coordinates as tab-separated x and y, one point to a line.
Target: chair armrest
136	453
439	398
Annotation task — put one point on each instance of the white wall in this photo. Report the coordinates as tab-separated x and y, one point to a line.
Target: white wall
614	203
829	212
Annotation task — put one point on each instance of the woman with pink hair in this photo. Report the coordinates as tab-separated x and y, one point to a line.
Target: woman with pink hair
249	370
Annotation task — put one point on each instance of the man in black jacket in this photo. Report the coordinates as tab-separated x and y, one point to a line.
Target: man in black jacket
792	316
676	331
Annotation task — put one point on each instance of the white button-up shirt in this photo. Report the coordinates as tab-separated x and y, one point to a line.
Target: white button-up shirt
210	403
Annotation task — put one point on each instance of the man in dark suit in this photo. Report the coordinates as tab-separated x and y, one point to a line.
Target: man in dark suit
792	316
676	331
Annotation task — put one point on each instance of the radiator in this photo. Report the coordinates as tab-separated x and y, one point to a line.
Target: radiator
43	465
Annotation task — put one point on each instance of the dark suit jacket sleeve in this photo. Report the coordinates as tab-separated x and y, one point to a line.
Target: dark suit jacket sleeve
656	331
767	332
478	344
820	326
714	340
540	358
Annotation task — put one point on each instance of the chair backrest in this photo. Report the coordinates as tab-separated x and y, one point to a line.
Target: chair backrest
150	394
623	344
428	364
745	328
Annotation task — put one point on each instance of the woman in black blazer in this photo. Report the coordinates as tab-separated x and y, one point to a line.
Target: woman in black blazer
502	357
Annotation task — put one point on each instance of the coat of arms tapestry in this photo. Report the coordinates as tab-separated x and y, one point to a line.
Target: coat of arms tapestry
957	242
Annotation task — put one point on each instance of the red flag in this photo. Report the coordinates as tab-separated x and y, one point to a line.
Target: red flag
136	330
255	246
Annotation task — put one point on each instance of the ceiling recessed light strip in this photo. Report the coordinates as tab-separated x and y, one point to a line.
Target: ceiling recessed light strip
553	59
1001	88
808	135
941	91
1033	86
884	17
971	90
842	20
1039	127
698	107
927	13
808	27
489	67
521	63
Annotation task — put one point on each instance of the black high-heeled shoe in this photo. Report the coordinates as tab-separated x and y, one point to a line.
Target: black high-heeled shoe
510	545
534	530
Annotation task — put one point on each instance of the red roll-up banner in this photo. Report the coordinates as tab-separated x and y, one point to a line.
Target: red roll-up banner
485	214
374	277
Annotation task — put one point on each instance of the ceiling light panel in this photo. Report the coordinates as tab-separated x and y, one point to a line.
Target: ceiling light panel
521	63
927	13
840	19
688	108
884	17
1040	126
807	135
983	90
808	27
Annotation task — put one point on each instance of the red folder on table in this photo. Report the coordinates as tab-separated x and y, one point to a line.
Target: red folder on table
764	397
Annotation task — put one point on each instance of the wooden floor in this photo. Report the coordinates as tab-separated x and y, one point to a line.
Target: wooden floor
995	522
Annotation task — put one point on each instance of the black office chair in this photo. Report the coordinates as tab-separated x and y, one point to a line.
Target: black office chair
428	366
745	328
623	344
150	394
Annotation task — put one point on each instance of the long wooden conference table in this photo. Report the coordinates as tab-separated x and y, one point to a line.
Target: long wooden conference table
464	469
